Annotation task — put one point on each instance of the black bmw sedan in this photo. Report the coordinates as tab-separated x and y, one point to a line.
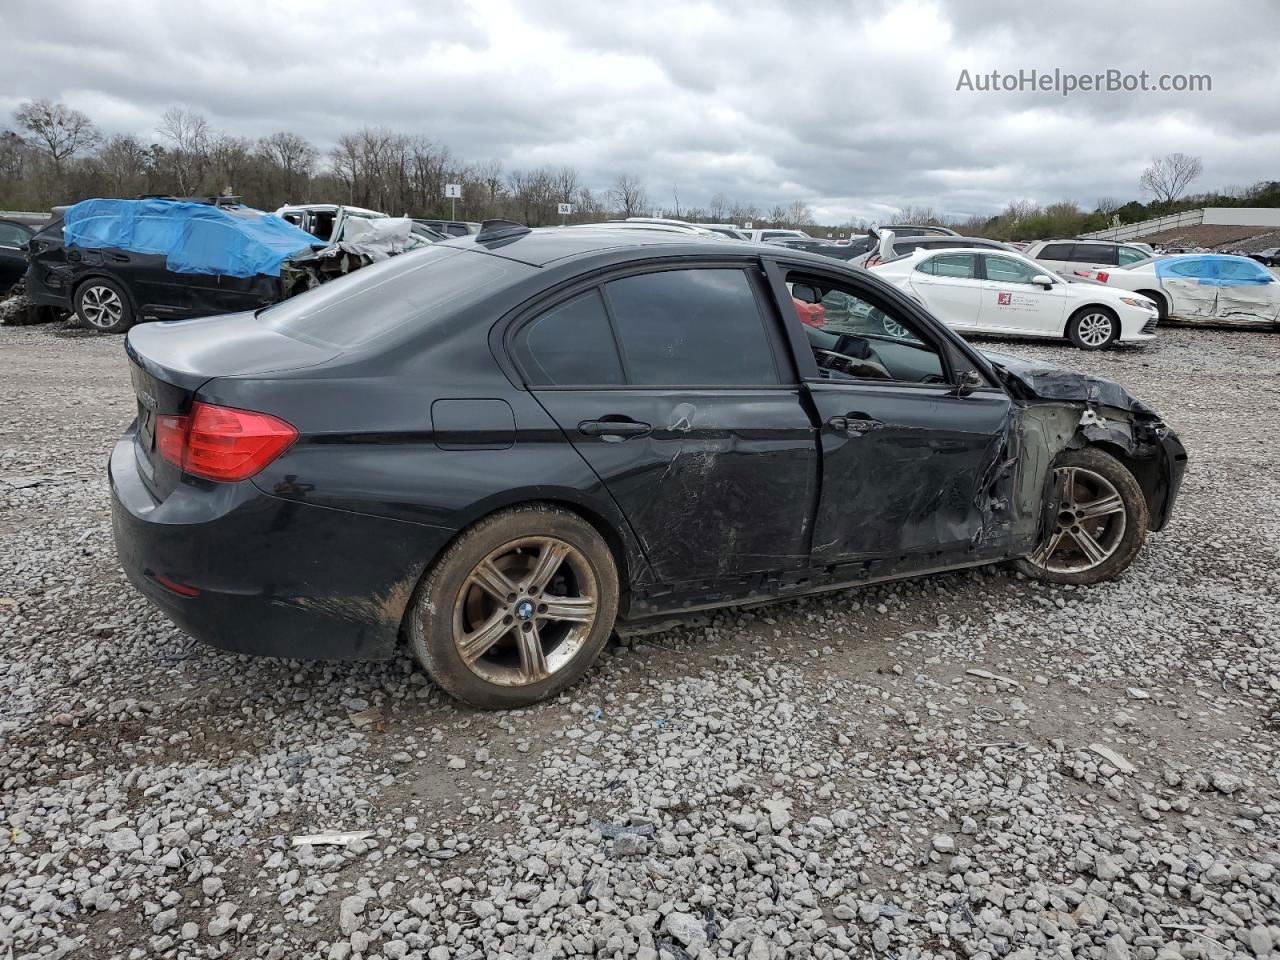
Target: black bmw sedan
501	447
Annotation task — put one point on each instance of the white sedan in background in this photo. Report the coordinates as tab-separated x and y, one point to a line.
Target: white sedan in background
986	291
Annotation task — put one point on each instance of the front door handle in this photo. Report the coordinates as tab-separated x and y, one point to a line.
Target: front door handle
854	425
614	430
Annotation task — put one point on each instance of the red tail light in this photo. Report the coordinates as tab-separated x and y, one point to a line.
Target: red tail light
871	261
1103	276
221	443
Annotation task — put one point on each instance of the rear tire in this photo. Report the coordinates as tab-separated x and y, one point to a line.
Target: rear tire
1093	328
517	609
103	306
1100	523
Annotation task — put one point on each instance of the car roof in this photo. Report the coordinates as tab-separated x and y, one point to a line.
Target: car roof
544	246
329	206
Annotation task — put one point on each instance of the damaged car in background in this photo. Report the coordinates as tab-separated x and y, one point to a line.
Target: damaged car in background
115	262
503	447
1202	288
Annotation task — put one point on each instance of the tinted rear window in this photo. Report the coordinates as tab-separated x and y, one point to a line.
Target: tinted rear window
570	345
1055	251
691	327
1100	253
382	297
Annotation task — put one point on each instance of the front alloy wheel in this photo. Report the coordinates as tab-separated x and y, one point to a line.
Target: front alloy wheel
517	608
1093	328
1099	521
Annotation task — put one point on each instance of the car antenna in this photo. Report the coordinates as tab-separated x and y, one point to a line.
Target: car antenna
500	230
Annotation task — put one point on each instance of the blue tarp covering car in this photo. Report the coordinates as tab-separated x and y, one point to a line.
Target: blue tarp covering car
227	241
1216	270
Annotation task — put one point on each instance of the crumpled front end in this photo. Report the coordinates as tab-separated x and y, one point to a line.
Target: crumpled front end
1064	410
363	241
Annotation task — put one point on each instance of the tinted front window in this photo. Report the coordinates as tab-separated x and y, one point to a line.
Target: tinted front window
1056	251
1130	255
382	297
570	345
1006	270
691	327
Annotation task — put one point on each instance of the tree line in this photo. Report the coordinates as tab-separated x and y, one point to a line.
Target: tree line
57	155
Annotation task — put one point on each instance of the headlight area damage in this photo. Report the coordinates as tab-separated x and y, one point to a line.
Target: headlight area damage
1062	410
362	242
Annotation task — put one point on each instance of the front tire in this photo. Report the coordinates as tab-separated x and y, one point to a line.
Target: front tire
1100	521
103	306
1093	328
517	609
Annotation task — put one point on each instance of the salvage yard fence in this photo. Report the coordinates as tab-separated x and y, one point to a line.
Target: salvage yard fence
1132	231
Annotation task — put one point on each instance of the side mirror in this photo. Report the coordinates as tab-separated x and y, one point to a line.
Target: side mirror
805	292
1043	280
970	381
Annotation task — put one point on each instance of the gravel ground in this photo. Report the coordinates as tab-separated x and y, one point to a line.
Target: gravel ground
970	765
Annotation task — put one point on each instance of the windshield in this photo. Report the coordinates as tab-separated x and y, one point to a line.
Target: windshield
383	297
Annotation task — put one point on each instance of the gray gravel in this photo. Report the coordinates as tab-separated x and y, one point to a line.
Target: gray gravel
821	778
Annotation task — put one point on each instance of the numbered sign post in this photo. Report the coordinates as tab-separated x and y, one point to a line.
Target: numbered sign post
453	192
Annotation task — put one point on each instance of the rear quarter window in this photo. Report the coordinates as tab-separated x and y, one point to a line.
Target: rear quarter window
382	298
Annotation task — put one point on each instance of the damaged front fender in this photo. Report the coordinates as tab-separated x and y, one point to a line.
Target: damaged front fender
1065	410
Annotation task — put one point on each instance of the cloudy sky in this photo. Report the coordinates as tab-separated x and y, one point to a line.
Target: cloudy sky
850	107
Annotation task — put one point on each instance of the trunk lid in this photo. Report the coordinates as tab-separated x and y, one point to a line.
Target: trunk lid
170	362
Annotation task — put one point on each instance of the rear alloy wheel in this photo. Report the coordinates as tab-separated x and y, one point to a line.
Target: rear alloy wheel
1092	328
1100	521
517	609
102	306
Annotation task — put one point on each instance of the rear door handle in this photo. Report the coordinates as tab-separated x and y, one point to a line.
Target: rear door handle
852	425
614	429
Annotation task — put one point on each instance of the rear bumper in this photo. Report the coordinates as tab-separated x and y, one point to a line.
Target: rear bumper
251	573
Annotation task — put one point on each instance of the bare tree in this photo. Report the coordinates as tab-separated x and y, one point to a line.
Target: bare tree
628	195
718	208
1107	205
290	160
799	215
489	174
777	215
1169	176
123	162
59	131
565	184
188	134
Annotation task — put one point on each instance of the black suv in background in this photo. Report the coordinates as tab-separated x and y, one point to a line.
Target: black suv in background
14	236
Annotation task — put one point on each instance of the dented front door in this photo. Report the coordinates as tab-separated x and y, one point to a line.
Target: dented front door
714	482
911	474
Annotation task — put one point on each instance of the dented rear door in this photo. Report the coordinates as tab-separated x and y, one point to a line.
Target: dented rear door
669	384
